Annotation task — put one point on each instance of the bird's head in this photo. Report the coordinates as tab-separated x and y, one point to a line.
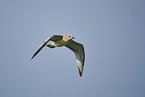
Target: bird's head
68	37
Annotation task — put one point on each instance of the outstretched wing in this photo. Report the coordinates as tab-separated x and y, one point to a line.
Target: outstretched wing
78	49
52	38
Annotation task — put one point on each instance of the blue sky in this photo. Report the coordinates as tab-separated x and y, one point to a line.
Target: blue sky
112	32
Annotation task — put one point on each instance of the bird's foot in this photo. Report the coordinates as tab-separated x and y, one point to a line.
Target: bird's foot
50	46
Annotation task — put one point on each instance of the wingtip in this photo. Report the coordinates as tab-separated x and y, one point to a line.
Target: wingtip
80	73
31	58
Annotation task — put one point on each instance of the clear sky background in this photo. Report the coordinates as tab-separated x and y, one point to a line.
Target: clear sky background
112	32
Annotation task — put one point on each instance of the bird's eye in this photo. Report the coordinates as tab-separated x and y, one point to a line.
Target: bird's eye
69	36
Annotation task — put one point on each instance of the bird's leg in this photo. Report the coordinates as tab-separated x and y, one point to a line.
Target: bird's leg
52	45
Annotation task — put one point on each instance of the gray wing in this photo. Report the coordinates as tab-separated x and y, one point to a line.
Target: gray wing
52	38
78	49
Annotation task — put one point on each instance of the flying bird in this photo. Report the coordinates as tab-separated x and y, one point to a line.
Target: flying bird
66	40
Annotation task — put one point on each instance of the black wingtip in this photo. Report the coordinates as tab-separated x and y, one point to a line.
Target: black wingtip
31	58
80	73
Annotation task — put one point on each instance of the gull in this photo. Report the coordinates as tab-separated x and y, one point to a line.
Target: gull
66	40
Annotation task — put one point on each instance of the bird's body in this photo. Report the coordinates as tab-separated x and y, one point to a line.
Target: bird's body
66	40
59	43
